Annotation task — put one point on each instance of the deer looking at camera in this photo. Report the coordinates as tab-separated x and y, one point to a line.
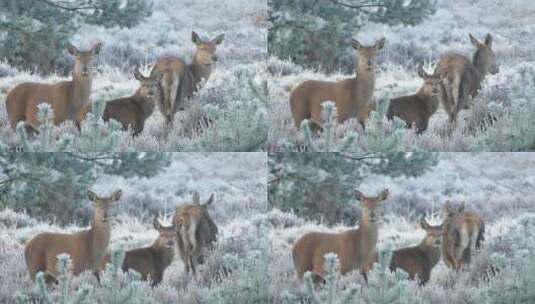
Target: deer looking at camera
355	247
419	260
196	232
181	80
463	78
132	111
353	97
153	260
66	98
463	233
86	248
418	108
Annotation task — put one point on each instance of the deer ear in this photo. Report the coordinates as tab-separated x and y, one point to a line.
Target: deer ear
196	198
92	196
421	72
71	49
359	195
156	223
210	200
384	194
138	75
195	38
474	40
116	195
356	44
219	39
424	224
488	40
96	48
380	43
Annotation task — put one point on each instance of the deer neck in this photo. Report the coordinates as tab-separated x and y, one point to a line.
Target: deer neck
99	237
165	255
146	104
364	84
480	67
199	71
432	253
369	234
79	93
427	100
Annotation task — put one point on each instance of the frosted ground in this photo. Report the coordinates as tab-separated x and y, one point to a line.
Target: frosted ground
227	96
508	96
503	193
238	181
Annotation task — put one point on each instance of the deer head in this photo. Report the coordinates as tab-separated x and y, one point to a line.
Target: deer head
83	59
484	58
206	49
102	205
370	204
367	54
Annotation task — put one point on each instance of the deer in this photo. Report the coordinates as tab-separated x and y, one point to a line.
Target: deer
86	248
181	80
152	261
66	98
134	110
419	260
463	233
353	97
196	231
463	78
418	108
355	247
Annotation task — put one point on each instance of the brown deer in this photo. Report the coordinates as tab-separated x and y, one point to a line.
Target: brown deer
181	80
132	111
196	232
419	260
418	108
153	260
353	97
463	78
355	247
463	233
86	248
66	98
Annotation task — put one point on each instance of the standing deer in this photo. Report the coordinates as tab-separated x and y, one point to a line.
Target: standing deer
463	78
196	231
355	248
418	108
181	80
66	98
419	260
132	111
353	97
153	260
462	235
86	248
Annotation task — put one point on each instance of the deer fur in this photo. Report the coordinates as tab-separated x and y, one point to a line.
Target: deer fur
355	247
463	78
196	232
66	98
418	108
86	248
132	111
463	234
152	261
353	97
181	80
419	260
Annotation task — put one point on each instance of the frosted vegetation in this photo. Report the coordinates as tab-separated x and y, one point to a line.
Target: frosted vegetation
502	193
505	98
234	273
233	99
